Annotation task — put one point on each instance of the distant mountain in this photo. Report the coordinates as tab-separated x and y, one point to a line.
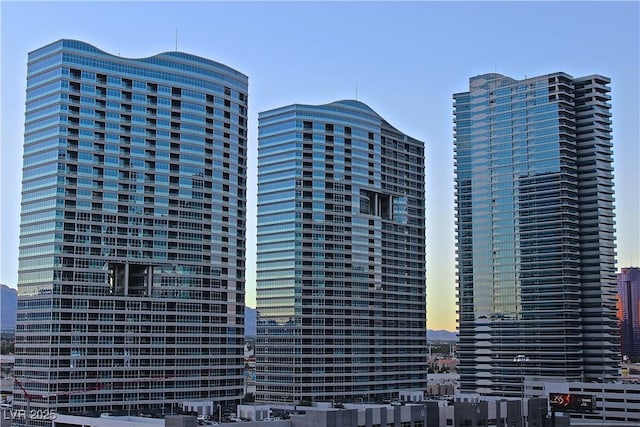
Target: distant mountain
441	335
249	322
250	328
8	306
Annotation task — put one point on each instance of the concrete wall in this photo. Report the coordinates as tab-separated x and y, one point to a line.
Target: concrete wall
276	423
253	412
341	418
180	421
75	420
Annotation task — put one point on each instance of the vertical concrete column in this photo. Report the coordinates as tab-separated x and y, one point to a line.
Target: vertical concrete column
126	278
149	279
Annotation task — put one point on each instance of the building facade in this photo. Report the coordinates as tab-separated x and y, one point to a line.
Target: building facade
614	403
341	256
132	239
535	231
629	312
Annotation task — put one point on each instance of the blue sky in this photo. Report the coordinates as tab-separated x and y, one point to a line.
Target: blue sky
405	58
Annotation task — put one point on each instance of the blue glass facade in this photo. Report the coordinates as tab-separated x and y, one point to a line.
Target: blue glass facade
341	256
132	240
629	312
531	278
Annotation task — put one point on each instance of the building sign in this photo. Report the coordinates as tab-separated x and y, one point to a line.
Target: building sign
570	402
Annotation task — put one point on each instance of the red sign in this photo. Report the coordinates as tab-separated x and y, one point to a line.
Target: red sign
570	402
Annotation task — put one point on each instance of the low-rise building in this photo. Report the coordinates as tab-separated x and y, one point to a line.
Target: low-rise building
442	385
458	411
106	420
327	414
616	403
6	377
476	410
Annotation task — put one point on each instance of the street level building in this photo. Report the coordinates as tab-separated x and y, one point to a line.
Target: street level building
535	231
616	404
132	238
341	256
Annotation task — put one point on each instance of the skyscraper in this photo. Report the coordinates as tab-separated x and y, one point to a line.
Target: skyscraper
534	195
629	312
132	241
341	256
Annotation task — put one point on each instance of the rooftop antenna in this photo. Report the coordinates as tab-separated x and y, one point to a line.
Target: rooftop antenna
176	39
356	90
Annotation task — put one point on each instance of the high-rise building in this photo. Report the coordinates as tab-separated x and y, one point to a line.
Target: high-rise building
341	256
132	240
629	312
535	231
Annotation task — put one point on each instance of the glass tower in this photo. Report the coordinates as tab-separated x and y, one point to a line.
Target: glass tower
341	256
629	312
535	236
132	237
